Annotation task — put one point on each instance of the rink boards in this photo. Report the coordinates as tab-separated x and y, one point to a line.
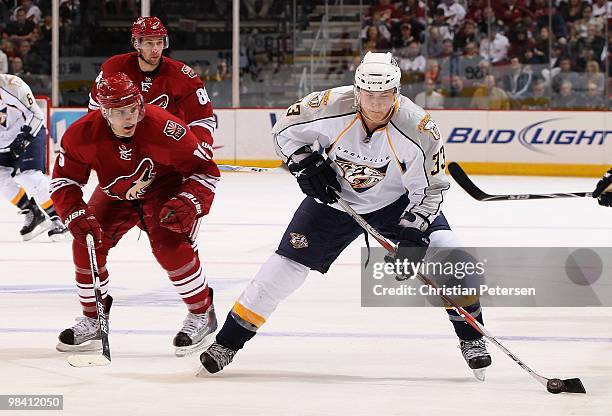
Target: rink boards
563	143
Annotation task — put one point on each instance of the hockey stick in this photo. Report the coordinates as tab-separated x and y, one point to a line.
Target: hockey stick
235	168
105	358
553	385
475	192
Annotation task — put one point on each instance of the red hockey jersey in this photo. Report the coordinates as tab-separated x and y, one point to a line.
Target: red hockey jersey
162	159
173	86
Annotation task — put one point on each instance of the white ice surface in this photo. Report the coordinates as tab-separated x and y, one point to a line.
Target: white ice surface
320	353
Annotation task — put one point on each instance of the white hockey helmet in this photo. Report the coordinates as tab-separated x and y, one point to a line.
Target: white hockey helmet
378	71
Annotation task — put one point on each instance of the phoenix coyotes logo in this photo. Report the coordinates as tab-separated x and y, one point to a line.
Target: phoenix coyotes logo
161	101
361	177
132	186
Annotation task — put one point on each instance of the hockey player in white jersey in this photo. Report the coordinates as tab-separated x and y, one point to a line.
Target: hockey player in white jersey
603	190
385	157
23	149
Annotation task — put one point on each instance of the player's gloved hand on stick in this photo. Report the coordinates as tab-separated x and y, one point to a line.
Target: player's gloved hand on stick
180	213
603	191
18	147
316	177
21	142
413	242
82	222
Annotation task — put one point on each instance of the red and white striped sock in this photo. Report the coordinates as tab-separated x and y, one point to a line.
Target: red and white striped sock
190	283
85	289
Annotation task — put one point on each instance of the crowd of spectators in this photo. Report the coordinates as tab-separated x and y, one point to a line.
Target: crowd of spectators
503	54
25	37
101	28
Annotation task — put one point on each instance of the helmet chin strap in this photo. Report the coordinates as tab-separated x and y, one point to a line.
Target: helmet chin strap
136	45
119	136
142	57
385	119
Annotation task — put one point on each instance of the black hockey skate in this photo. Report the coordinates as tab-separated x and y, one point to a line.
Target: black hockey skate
36	222
85	334
58	231
196	331
216	357
476	355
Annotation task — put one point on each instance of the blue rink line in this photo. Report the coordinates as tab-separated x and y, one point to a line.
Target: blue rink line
151	298
493	227
322	335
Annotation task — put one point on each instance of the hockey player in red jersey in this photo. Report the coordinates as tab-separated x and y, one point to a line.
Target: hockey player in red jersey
153	173
163	81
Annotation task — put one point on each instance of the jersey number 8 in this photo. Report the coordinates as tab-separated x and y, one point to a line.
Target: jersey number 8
202	96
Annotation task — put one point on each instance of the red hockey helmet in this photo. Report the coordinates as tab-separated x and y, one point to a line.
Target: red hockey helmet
116	91
148	27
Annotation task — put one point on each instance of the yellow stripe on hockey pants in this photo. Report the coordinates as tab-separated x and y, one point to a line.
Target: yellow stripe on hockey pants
277	278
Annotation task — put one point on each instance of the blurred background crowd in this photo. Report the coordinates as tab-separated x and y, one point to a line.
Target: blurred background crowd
482	54
504	54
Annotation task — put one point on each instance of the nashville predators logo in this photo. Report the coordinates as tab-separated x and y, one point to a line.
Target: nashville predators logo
3	117
298	240
132	186
361	177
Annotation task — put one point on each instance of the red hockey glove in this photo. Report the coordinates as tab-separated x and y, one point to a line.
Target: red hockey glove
180	213
82	222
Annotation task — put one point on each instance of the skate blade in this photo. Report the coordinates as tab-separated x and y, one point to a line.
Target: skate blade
40	228
88	360
89	346
56	238
203	372
480	374
192	349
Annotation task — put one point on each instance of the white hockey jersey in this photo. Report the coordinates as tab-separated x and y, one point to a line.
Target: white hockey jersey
17	108
406	155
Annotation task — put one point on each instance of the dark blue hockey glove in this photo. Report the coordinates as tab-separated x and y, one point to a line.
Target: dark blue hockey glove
412	240
603	191
19	146
316	177
21	143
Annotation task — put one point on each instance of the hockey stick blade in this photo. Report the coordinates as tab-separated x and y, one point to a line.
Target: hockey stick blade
475	192
88	360
252	169
573	385
466	183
